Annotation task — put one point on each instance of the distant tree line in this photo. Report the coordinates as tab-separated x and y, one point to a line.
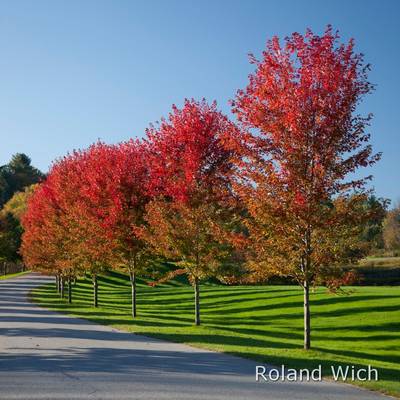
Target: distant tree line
391	231
17	180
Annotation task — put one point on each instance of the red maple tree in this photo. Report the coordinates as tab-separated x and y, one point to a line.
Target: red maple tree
189	169
114	196
46	242
300	140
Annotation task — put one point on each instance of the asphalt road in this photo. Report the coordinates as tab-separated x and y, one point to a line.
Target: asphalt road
46	355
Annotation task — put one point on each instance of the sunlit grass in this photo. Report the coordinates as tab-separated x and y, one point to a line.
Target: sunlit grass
260	322
8	276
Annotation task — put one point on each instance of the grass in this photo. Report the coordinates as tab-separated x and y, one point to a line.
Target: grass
7	276
259	322
380	262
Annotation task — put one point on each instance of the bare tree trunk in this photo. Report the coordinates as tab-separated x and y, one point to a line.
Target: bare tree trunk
133	291
62	287
69	290
57	283
95	290
197	301
307	326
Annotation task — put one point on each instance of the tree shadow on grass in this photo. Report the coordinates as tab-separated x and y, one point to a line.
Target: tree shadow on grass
336	299
220	339
167	317
227	324
214	304
382	327
224	293
395	359
279	334
353	311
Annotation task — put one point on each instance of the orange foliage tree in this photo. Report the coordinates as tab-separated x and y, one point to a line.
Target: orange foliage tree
47	245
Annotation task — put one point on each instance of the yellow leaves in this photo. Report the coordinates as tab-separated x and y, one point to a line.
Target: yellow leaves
17	204
189	233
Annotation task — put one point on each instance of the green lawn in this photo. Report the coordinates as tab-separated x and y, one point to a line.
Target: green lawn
259	322
2	277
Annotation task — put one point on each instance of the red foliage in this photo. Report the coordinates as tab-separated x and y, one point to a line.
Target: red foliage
48	235
301	140
187	153
93	200
188	220
301	99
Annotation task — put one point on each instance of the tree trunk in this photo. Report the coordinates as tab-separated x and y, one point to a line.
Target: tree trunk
133	291
62	287
58	284
69	290
95	290
57	287
196	301
307	327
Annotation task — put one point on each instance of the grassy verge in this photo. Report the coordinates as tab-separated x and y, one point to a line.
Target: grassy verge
259	322
8	276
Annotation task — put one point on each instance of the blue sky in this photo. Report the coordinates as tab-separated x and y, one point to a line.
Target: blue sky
76	71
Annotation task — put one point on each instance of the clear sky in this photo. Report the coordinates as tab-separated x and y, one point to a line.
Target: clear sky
76	71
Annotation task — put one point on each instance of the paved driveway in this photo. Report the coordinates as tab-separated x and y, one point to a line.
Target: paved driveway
46	355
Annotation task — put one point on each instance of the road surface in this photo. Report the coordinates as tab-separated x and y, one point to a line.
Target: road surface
47	355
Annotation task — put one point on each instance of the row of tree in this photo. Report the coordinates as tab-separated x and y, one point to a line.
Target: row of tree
240	202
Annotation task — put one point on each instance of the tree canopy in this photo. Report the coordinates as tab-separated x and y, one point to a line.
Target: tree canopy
16	175
300	141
